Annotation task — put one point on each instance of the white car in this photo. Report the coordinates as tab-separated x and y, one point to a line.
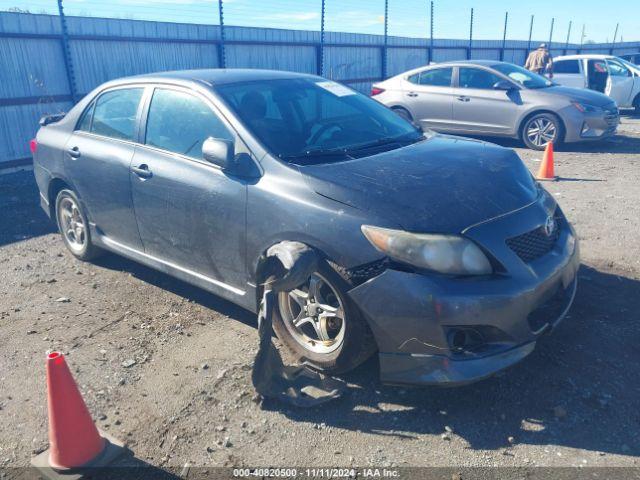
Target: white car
613	76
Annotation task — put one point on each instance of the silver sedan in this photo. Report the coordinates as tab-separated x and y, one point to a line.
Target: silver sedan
490	98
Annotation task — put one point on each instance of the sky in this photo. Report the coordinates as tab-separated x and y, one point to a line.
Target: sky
406	17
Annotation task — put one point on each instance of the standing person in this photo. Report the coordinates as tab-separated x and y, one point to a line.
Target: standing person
540	61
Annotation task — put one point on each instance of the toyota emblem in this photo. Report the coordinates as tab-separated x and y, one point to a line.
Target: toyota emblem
549	226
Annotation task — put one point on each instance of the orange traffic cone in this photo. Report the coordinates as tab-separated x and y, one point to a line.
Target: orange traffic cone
546	167
74	440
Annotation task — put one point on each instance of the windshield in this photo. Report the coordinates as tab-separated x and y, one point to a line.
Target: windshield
522	76
308	119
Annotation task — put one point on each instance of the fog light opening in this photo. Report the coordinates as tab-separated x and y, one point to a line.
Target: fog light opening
464	339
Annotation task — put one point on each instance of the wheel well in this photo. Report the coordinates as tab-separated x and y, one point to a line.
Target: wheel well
636	101
538	112
55	186
400	107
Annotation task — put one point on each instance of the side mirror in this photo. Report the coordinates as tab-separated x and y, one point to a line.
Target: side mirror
503	85
219	152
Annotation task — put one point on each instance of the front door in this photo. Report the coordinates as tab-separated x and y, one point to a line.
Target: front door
479	108
428	94
620	83
97	159
190	213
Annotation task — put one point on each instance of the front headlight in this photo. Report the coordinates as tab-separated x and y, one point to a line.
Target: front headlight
584	107
449	254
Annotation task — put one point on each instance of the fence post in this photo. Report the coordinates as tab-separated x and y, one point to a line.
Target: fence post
222	54
504	35
470	36
386	37
431	35
615	35
68	62
320	68
566	44
551	33
530	33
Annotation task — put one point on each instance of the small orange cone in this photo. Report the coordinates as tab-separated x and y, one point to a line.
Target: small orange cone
546	167
74	440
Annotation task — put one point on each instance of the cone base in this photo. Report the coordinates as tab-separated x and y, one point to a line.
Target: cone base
552	179
112	450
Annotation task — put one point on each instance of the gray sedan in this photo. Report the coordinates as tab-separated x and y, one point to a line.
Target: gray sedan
490	98
441	253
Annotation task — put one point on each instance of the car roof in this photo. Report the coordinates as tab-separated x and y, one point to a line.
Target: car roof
596	56
453	63
211	76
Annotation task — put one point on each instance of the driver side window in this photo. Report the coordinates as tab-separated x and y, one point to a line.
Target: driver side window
180	123
617	70
477	78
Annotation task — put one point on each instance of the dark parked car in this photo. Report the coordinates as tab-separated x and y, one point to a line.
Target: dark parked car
441	253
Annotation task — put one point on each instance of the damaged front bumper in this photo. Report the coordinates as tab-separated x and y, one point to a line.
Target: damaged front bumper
415	316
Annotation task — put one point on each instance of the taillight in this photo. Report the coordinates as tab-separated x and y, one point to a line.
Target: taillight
33	145
376	91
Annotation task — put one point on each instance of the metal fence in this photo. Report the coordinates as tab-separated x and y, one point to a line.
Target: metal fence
51	59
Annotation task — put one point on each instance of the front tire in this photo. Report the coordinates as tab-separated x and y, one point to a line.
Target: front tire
540	130
320	326
74	226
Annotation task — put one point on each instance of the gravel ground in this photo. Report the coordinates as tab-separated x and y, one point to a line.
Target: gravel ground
166	367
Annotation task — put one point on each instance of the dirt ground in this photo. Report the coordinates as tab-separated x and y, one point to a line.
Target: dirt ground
166	367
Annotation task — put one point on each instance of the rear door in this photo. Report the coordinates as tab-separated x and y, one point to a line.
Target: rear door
569	72
619	83
190	213
428	94
479	108
97	159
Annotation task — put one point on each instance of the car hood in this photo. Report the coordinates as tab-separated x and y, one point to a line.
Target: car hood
443	184
579	95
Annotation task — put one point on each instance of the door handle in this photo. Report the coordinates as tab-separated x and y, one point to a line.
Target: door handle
412	94
74	152
462	98
142	171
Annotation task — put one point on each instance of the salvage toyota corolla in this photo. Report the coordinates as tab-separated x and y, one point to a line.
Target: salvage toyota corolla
441	253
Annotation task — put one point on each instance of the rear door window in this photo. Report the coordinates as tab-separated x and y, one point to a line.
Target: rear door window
115	113
477	78
180	123
436	77
566	66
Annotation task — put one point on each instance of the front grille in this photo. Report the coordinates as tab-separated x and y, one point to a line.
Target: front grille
534	244
612	116
551	310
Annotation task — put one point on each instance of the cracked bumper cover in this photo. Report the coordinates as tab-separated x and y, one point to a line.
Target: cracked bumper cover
409	314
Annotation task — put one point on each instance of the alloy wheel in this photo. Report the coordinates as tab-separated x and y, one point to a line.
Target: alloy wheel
314	315
541	131
72	224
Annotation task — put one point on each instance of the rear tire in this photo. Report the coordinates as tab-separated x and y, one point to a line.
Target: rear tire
74	226
348	342
540	129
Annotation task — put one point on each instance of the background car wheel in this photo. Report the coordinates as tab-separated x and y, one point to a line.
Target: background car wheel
74	227
320	326
539	130
403	112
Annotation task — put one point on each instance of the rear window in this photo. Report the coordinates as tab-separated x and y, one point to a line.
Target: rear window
115	113
437	77
566	66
